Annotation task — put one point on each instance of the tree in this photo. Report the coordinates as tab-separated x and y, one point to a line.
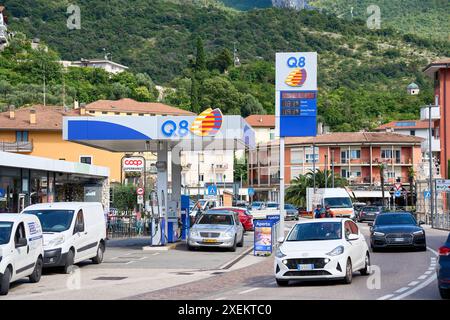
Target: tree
200	61
124	197
251	105
240	169
222	61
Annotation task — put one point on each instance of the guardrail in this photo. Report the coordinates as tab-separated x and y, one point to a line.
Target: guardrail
128	226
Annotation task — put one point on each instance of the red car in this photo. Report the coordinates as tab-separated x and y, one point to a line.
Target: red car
244	216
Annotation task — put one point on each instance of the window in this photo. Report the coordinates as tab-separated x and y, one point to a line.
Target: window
345	173
104	112
412	132
201	177
354	227
219	177
79	223
20	233
117	113
386	154
21	136
297	156
350	154
141	114
91	111
86	159
355	154
295	172
312	156
129	114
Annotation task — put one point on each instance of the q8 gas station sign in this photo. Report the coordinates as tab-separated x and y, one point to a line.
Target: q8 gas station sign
296	94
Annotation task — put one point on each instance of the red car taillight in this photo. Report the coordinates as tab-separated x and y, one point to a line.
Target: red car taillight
444	251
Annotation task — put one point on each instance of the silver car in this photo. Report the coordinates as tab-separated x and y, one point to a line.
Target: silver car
217	228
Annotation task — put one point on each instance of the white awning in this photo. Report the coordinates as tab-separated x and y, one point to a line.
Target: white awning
370	194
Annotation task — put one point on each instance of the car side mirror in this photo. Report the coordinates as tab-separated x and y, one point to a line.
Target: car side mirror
280	240
22	242
353	237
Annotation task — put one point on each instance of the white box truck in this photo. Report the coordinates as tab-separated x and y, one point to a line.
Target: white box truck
338	199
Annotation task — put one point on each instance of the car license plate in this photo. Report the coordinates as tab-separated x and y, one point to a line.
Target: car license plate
399	239
305	267
210	240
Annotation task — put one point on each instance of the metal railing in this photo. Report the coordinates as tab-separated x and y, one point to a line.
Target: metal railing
17	146
127	226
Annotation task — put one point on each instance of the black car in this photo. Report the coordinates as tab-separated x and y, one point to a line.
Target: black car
397	229
369	213
443	270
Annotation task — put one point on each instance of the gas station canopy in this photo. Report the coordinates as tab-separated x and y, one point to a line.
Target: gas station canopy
138	134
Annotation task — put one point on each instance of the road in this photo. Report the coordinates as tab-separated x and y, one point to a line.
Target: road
128	272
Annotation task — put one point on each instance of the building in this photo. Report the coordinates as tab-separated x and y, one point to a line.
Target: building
420	128
3	26
37	131
26	180
107	65
264	126
354	155
439	71
413	89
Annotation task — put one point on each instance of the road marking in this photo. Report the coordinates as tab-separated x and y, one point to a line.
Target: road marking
273	282
222	298
419	287
402	290
414	283
428	272
386	297
156	253
422	277
249	290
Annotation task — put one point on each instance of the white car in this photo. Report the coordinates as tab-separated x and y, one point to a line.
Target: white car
73	232
21	249
331	248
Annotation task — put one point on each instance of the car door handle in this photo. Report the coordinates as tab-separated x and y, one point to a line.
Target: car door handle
28	249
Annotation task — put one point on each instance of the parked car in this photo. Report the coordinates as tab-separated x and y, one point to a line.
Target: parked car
217	228
272	206
330	248
443	270
21	249
257	205
397	229
369	213
291	212
244	216
73	232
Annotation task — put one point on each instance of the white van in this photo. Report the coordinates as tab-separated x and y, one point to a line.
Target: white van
21	249
338	199
73	232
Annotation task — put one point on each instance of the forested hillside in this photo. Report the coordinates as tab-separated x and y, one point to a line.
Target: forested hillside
362	73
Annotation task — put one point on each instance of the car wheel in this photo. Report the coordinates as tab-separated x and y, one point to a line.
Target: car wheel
348	272
241	243
445	293
190	248
282	283
4	282
100	253
366	270
424	248
37	272
68	266
233	248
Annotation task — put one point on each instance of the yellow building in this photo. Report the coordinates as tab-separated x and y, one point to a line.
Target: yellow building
37	131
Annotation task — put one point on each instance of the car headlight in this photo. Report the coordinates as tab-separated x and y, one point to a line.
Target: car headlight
279	254
378	234
228	234
194	233
56	241
336	251
418	233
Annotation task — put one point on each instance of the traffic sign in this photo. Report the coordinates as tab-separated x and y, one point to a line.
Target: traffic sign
398	194
212	190
398	186
442	185
140	199
140	191
427	194
251	192
2	193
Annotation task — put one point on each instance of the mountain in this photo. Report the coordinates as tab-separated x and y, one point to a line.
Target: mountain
363	73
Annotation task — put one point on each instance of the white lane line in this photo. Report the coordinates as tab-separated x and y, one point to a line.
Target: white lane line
249	290
402	290
156	253
415	289
386	297
414	283
428	272
422	277
221	298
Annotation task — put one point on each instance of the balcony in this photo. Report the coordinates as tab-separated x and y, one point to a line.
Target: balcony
220	167
18	146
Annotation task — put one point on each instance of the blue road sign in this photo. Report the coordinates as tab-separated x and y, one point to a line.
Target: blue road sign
398	194
212	190
251	192
427	194
2	193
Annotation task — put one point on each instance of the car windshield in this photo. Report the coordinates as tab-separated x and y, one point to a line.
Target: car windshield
53	220
256	204
392	219
289	206
272	205
338	202
316	231
5	232
370	209
224	219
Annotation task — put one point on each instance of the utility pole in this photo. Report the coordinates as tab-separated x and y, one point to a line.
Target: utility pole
326	171
332	169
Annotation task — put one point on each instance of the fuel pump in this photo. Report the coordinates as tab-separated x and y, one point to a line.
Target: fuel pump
156	230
